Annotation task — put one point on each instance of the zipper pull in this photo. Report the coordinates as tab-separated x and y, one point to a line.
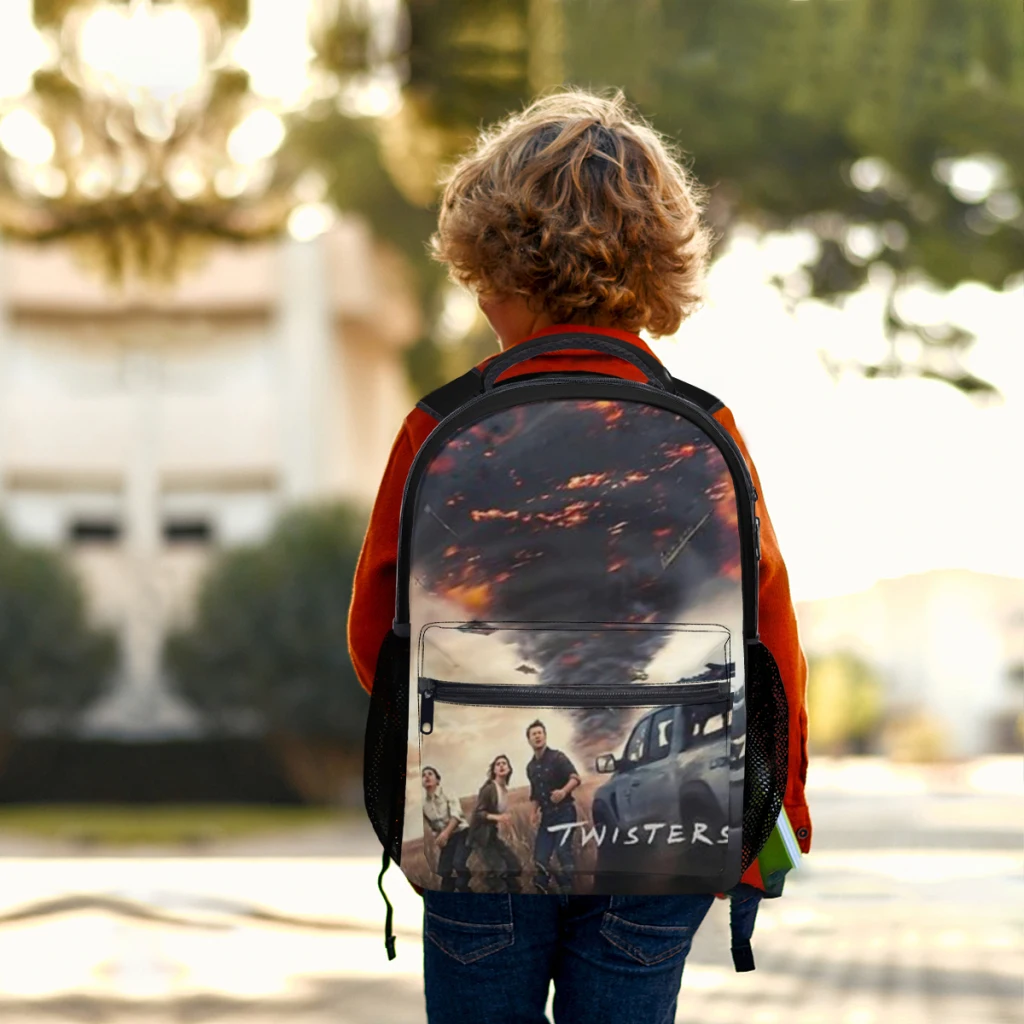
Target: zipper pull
426	706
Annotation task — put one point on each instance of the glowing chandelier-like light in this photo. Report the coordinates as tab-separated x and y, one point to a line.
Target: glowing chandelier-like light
139	131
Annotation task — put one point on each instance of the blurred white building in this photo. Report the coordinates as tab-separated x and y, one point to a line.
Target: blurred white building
143	431
948	642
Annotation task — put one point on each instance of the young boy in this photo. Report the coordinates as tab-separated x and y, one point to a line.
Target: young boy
572	215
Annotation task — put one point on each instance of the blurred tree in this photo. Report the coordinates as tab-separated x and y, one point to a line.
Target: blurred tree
53	663
467	63
844	704
267	648
348	154
893	130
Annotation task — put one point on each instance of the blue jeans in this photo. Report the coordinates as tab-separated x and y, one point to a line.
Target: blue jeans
548	843
489	959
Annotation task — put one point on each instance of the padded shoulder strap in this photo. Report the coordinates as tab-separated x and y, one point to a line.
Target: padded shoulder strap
448	397
704	399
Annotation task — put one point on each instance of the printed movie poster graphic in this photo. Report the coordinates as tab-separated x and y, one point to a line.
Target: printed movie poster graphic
567	546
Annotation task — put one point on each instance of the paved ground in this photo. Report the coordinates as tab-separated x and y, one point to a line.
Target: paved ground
908	912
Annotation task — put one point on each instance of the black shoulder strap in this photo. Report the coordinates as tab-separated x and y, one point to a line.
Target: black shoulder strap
446	399
443	401
704	399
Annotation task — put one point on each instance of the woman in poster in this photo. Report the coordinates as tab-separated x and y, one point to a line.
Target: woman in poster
502	866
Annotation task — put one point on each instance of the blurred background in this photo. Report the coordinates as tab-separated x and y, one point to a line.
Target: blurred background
216	307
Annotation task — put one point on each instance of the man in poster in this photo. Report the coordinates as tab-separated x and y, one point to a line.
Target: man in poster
553	777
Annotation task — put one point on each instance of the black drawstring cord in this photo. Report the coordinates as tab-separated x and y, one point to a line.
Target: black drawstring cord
389	935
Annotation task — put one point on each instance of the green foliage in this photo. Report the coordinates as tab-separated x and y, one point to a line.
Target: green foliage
469	63
778	101
469	60
844	704
268	642
54	663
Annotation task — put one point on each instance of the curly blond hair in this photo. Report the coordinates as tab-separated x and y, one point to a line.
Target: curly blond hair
579	206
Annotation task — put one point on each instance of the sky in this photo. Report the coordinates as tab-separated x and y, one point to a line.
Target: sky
863	479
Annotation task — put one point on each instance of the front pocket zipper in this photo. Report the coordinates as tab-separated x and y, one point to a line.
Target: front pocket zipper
496	695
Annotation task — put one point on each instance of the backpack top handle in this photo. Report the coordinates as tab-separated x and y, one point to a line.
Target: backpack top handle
655	373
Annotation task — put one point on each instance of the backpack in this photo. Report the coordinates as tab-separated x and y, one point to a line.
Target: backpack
573	692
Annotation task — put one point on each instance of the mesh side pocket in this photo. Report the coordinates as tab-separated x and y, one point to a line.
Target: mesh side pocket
767	750
387	728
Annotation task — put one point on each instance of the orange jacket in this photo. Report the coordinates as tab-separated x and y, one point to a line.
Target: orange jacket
373	595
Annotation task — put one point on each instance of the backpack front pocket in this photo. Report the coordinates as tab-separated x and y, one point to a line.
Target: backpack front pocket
576	654
601	789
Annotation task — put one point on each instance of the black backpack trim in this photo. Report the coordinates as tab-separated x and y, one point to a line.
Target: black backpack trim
443	401
691	393
646	362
